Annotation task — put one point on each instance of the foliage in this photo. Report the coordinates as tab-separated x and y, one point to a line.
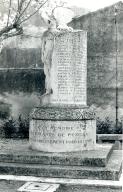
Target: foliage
104	126
9	128
16	128
23	125
107	126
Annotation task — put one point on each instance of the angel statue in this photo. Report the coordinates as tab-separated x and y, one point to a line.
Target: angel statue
56	22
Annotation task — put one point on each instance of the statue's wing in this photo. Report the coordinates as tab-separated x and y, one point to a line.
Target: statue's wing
63	15
44	16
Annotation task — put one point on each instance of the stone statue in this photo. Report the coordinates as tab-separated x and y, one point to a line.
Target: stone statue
47	48
56	23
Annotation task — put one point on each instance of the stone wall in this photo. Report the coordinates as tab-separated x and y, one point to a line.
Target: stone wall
20	58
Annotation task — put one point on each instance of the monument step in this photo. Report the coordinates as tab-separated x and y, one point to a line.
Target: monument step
83	158
111	172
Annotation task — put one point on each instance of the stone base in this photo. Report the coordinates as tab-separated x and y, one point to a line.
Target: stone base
102	163
112	171
62	129
85	158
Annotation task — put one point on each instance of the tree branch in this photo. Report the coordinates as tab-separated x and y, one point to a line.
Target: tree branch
19	32
9	31
6	29
18	3
24	9
34	12
10	1
20	6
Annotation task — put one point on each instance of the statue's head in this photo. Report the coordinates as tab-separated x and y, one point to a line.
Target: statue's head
49	20
58	18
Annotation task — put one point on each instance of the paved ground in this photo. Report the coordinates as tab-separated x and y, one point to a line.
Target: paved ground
12	186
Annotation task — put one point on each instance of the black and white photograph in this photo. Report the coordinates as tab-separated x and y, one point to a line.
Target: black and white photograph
61	95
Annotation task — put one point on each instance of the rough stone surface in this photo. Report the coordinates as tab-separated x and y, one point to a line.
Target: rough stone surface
62	113
18	150
84	158
62	136
110	137
111	172
79	188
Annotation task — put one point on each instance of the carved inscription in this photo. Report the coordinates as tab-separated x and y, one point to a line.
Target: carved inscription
69	68
72	134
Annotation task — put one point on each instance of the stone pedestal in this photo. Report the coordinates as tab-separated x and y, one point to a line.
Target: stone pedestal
63	122
62	129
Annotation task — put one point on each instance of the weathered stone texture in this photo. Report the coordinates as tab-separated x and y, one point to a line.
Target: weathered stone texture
62	113
65	61
110	172
81	158
62	136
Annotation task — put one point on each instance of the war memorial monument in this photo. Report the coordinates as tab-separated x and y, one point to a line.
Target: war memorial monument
63	122
62	134
63	127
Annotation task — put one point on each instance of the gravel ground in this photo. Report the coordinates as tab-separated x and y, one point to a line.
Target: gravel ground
10	186
17	144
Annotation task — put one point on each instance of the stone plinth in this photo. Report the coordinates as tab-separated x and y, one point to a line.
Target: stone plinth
103	163
62	129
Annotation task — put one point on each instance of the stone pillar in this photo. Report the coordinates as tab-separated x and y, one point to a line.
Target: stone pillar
64	122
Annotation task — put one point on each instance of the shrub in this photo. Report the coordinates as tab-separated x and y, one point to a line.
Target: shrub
16	128
9	128
104	126
107	126
23	125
